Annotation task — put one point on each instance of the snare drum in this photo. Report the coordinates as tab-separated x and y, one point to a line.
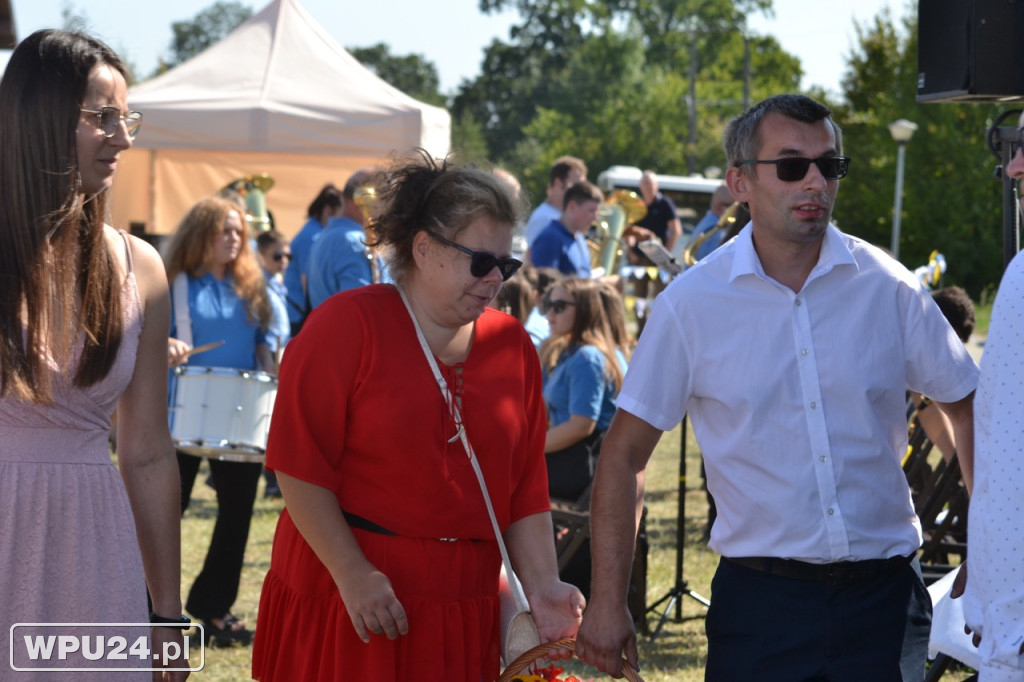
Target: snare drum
221	412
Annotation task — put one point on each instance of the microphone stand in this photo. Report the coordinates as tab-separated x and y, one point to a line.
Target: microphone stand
1000	140
681	588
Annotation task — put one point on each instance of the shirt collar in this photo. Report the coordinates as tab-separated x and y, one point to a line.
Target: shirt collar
834	253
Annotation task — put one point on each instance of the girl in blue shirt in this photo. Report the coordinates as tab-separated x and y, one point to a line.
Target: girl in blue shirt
227	301
582	375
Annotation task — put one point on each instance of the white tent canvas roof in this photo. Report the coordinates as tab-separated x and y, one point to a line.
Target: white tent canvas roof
278	96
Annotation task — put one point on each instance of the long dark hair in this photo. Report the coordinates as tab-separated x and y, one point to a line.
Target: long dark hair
59	279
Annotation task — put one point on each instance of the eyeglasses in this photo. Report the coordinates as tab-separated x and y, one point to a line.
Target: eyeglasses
557	307
794	168
110	120
482	262
281	255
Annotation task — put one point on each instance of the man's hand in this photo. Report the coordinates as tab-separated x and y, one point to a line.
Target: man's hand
606	635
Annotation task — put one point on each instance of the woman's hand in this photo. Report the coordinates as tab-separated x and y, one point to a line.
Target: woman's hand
557	611
162	638
371	603
177	352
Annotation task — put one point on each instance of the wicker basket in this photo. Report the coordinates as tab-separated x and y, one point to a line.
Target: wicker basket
542	650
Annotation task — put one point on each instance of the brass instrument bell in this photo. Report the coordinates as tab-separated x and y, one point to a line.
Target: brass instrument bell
623	207
253	190
725	221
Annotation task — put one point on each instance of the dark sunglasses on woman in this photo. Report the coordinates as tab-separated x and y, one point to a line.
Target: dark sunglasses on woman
481	262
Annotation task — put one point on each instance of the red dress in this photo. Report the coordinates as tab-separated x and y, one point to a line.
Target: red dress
358	412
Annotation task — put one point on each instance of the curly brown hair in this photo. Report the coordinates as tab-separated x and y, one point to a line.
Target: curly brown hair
190	247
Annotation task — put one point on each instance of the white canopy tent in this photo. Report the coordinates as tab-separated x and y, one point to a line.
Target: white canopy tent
278	96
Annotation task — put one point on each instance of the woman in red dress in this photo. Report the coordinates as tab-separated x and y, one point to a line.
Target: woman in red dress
385	565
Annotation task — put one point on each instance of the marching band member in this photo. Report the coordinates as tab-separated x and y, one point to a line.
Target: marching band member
219	294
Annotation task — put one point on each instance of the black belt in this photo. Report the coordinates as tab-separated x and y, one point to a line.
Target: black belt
839	573
355	521
366	524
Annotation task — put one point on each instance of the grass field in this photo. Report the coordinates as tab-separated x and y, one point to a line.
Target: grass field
677	654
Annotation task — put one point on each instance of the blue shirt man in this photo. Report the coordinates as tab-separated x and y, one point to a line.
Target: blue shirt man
298	267
557	247
562	244
338	261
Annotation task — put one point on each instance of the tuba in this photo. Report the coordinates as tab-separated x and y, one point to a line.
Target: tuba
365	198
253	190
726	221
623	207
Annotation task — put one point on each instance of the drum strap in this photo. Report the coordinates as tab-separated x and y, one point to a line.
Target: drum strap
182	319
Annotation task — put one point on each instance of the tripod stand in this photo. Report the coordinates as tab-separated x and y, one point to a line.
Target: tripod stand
681	588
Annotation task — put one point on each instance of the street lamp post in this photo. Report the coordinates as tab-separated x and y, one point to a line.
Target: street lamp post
901	131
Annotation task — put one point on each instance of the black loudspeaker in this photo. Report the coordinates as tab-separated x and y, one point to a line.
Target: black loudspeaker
970	50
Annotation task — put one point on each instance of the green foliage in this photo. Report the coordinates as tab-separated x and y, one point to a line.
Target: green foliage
208	27
951	199
413	74
468	144
607	80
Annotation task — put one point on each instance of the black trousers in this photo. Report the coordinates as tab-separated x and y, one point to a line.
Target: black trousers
216	587
773	629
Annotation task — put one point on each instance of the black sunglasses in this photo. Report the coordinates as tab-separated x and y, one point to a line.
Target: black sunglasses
794	168
557	307
481	262
281	255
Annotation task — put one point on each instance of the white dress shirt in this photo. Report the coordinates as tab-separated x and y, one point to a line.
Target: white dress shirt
798	399
994	601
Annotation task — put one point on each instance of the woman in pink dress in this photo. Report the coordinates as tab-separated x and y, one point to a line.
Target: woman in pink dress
84	314
385	565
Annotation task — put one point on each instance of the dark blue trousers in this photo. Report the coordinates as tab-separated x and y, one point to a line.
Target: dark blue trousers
772	629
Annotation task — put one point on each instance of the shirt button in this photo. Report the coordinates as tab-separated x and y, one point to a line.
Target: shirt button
831	511
804	351
821	458
798	303
814	405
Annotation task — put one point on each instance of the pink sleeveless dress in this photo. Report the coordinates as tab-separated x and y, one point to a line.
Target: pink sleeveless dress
68	549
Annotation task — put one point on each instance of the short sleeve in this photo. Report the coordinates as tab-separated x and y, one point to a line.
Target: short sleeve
654	390
546	251
530	489
586	382
307	431
931	340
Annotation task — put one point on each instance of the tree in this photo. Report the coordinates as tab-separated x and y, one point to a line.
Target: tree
413	74
951	200
208	27
609	81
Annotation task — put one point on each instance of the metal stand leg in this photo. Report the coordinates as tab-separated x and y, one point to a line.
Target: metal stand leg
680	589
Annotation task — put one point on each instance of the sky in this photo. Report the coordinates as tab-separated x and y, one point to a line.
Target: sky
450	33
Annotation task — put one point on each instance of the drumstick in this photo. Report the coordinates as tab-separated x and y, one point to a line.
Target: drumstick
208	346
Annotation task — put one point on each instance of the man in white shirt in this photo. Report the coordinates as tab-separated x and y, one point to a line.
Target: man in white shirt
791	348
565	172
994	601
